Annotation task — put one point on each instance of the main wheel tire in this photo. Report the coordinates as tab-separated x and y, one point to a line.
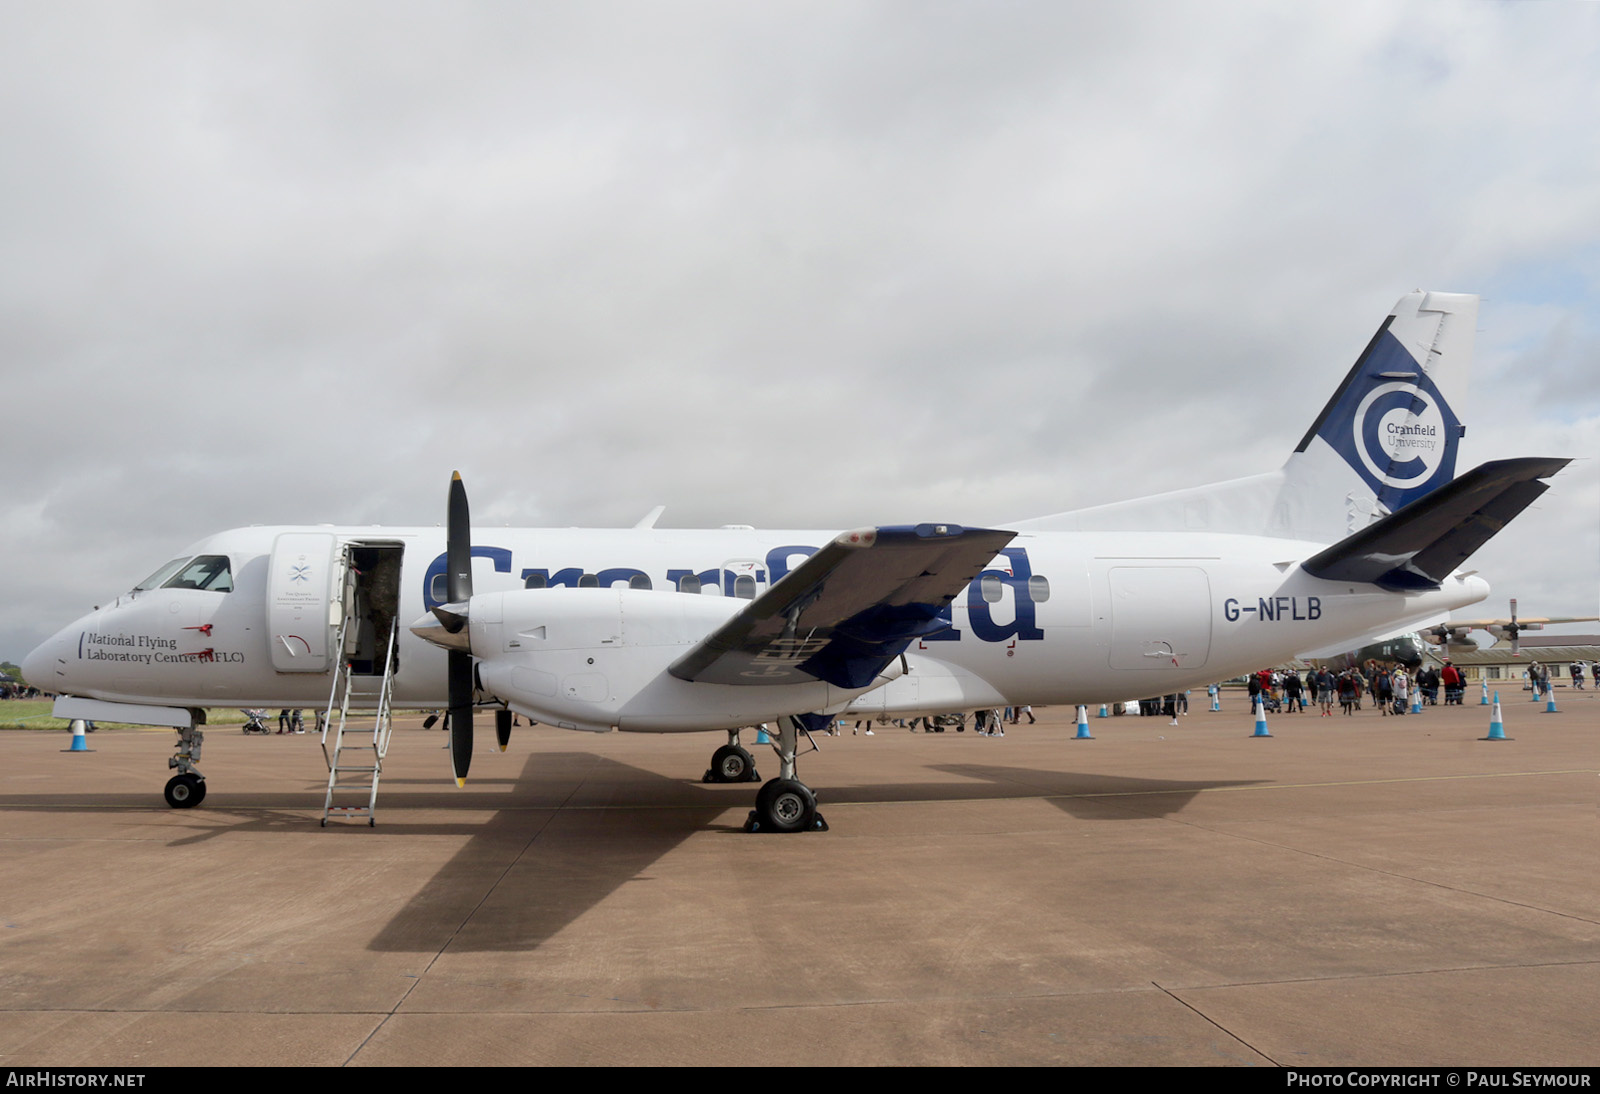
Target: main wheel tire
785	805
185	791
730	764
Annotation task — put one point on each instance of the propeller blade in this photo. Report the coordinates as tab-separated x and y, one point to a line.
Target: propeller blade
458	544
460	665
502	728
458	585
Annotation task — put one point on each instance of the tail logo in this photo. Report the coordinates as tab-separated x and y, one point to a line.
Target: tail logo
1400	435
1391	424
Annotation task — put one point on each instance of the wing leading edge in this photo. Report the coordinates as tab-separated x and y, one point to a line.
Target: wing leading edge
847	611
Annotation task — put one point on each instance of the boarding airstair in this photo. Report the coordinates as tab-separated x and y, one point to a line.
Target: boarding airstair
354	754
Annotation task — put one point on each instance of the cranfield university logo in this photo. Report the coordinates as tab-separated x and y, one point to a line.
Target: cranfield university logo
1393	427
1400	435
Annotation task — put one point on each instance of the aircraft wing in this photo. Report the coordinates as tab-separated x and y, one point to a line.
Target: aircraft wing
1418	546
847	611
1522	621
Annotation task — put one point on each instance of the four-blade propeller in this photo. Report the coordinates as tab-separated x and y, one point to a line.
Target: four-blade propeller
448	627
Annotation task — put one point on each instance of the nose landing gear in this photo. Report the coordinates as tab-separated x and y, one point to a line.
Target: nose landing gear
187	788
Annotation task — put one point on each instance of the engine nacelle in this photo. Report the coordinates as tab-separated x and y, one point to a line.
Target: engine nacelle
597	659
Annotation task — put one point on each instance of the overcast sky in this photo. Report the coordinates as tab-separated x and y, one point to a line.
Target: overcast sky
786	264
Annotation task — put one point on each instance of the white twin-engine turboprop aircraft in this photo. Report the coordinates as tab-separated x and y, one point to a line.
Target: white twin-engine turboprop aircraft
658	631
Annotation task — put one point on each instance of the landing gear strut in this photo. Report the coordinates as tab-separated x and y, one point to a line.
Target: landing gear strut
731	764
786	804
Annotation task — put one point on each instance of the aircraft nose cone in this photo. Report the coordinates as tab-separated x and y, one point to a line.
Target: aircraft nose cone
43	667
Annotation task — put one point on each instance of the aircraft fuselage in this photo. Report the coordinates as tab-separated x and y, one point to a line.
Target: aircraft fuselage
1058	617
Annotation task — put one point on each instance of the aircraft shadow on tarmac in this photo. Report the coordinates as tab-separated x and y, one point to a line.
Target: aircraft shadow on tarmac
520	879
1091	797
576	826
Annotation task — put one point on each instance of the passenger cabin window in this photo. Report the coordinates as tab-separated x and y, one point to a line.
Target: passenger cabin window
1038	589
159	578
989	586
688	583
208	572
744	587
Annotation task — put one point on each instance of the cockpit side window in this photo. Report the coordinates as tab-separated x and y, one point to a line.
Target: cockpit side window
159	578
210	572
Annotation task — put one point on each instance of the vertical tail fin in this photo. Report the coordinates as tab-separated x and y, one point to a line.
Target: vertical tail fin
1391	421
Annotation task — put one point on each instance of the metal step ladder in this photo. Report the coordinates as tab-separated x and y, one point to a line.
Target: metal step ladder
346	775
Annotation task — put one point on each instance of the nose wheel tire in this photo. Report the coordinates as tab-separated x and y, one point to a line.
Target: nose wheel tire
731	764
185	791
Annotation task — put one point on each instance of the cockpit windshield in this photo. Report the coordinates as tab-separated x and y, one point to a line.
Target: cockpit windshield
209	572
159	578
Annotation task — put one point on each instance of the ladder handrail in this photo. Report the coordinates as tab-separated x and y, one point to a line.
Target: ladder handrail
383	724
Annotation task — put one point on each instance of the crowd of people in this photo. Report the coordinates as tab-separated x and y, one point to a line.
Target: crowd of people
1393	689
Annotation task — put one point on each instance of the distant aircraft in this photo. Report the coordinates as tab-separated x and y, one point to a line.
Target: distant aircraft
1360	532
1453	635
1407	649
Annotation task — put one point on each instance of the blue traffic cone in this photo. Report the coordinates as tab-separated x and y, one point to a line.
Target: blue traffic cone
1083	725
761	735
1484	701
1497	729
1216	697
1261	720
1550	700
80	741
1416	701
1104	713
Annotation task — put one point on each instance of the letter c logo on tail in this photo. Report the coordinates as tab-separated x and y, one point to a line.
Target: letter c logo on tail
1392	425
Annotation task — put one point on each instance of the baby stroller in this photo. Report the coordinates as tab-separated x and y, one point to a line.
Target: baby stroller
253	721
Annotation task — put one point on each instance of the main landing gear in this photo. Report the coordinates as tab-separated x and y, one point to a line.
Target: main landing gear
731	764
786	804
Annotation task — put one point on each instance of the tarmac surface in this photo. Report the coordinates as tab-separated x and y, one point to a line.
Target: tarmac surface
1353	891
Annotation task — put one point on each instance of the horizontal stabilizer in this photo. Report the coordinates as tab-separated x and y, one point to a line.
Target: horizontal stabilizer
1423	543
847	611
